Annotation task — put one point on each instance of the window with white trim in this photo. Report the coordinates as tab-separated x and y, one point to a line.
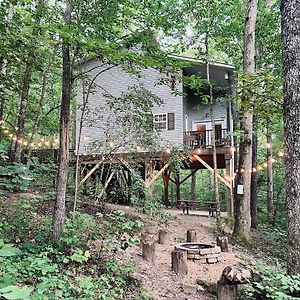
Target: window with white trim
160	121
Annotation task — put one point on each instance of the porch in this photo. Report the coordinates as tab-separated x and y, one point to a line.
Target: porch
203	139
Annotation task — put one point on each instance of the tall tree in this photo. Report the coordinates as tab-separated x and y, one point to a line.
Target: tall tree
27	78
65	121
242	216
290	13
254	175
270	204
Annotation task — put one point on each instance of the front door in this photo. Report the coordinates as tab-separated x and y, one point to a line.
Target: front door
201	136
218	130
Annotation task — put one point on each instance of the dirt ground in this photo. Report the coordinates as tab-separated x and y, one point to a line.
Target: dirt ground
161	282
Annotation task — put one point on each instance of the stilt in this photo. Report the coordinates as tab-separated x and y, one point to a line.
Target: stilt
129	186
166	179
149	174
228	161
177	184
193	185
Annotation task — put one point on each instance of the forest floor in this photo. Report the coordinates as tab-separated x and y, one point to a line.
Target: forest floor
161	282
158	280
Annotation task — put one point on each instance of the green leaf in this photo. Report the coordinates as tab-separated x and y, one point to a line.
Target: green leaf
14	292
8	250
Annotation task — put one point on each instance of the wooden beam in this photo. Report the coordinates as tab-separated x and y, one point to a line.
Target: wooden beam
187	177
90	172
206	165
126	164
148	184
105	186
173	180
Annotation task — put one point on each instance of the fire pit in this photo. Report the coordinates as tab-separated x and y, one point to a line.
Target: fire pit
203	253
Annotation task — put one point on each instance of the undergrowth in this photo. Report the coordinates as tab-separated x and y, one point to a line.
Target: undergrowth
84	264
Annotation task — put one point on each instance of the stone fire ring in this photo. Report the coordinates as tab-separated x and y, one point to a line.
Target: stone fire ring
203	253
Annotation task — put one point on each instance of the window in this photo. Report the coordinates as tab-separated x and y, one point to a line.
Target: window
160	121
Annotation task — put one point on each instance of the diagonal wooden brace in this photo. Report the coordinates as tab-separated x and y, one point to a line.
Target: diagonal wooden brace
206	165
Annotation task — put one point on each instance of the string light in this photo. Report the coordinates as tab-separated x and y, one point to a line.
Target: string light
27	143
54	142
111	144
268	145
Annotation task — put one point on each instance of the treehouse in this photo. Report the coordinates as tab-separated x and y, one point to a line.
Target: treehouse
109	120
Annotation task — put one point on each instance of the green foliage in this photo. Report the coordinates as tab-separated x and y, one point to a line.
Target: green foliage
7	250
15	177
80	266
13	292
274	285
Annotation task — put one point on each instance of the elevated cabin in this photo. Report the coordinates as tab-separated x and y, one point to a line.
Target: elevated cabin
183	118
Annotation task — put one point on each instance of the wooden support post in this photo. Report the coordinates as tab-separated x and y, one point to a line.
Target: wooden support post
129	186
193	185
166	178
222	242
149	174
177	180
179	262
163	237
191	236
207	166
229	175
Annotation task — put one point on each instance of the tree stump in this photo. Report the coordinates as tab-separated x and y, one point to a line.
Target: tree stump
147	236
163	237
227	291
148	252
191	236
179	262
222	242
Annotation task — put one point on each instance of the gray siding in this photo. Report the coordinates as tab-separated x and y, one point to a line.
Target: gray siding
115	81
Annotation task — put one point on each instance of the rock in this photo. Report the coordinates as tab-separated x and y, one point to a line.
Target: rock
200	289
201	281
189	288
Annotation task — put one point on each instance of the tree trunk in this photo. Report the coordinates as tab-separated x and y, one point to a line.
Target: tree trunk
254	176
17	152
59	208
270	204
3	65
193	185
291	70
148	252
242	215
213	137
41	103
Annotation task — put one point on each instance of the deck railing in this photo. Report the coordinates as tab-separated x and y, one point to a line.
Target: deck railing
202	139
